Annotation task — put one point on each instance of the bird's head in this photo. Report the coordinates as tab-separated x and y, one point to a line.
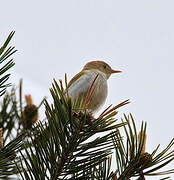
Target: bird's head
101	66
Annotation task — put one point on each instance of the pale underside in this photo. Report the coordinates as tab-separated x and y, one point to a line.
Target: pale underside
79	88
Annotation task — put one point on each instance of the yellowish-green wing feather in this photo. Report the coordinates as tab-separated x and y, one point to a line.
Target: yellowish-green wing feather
77	76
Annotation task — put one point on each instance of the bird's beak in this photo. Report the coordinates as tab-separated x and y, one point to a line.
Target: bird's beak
116	71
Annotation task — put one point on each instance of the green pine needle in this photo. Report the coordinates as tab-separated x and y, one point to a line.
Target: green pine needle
5	53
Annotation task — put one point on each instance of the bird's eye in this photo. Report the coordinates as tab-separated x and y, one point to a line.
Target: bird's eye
104	66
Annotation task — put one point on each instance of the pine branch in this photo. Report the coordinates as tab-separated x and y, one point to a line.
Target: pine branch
5	53
62	147
8	157
15	115
8	113
12	134
10	118
132	160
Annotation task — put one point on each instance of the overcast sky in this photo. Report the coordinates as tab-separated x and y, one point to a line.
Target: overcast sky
137	37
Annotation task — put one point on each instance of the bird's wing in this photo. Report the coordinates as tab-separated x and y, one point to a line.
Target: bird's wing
77	76
80	83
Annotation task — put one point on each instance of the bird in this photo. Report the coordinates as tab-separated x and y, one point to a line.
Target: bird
89	87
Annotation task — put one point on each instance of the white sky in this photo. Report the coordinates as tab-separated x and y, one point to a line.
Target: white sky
57	37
